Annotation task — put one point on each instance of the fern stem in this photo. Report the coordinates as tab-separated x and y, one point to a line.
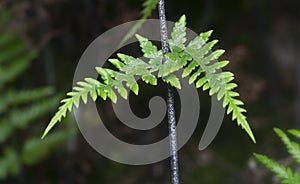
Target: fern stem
163	26
170	98
173	136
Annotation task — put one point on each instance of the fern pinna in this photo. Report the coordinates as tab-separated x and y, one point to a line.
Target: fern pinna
194	58
285	174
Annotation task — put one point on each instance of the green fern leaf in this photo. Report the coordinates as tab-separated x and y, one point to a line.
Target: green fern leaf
62	111
28	95
20	118
174	62
13	70
294	132
11	47
5	131
292	147
18	107
149	50
283	173
35	150
9	163
203	61
176	43
213	79
188	70
128	66
196	58
172	80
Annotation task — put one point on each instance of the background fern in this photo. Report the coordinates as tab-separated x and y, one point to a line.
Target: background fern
20	108
148	7
285	174
195	58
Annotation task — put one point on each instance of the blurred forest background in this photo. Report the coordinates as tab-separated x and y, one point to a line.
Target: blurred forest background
41	42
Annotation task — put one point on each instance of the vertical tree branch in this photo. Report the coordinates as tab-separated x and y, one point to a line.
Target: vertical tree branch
170	98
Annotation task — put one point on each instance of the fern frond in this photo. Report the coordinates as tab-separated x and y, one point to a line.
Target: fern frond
4	103
79	92
9	163
221	84
29	95
61	113
203	60
35	150
25	96
13	70
20	118
285	174
292	147
128	66
14	57
5	131
11	47
149	6
18	107
195	58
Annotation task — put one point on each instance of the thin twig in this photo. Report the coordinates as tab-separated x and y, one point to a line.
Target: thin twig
170	98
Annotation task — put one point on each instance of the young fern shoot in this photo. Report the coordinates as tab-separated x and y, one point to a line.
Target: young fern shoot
193	59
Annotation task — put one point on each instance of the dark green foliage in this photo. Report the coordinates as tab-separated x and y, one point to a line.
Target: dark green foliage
286	175
194	58
35	149
20	108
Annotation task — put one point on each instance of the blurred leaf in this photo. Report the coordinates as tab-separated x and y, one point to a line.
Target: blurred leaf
292	147
283	173
34	149
9	164
19	107
149	6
